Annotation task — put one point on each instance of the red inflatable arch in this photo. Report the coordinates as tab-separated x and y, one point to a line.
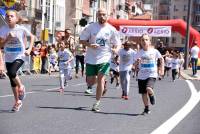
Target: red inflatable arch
178	25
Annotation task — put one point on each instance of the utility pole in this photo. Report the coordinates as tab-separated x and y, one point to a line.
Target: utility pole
187	35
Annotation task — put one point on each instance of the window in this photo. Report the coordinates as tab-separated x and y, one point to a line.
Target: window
185	8
183	41
133	9
173	40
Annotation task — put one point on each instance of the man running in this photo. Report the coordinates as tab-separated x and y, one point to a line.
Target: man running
101	39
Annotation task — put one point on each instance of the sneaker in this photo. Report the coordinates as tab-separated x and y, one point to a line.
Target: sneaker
65	83
152	99
61	90
22	93
146	111
88	91
17	106
96	107
126	97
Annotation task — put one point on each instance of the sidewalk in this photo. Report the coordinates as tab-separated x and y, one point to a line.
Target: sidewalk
187	74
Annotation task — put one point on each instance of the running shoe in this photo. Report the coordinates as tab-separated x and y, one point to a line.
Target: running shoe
152	99
88	91
146	111
22	93
61	90
17	106
126	97
96	107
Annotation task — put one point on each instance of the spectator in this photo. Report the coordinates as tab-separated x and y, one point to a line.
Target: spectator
194	58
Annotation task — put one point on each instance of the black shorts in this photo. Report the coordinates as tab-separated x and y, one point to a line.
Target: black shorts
143	84
115	73
167	68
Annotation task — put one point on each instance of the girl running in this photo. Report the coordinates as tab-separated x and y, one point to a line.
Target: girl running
65	58
12	39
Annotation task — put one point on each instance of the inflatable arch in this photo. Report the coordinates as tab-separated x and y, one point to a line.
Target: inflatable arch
178	25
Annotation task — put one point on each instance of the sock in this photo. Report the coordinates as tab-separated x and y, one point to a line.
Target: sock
98	102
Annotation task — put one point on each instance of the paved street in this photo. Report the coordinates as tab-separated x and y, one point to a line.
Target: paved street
46	111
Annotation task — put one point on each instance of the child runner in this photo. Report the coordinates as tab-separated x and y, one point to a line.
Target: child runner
53	59
147	62
126	62
114	70
64	58
168	64
12	39
175	65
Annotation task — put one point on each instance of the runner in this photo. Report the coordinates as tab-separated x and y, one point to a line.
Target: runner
114	69
175	65
147	63
99	37
12	39
127	56
65	58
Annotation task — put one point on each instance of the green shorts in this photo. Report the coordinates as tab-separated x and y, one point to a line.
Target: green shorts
93	70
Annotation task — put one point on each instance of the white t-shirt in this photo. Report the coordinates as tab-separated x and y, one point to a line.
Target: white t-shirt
168	62
126	59
64	56
194	51
148	63
53	57
15	47
105	37
114	65
175	63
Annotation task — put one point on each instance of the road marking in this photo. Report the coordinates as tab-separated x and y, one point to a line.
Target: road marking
171	123
51	89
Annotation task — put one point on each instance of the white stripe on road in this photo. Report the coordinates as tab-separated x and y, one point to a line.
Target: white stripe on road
167	126
51	89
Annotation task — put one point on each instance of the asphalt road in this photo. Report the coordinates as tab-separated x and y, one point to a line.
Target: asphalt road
46	111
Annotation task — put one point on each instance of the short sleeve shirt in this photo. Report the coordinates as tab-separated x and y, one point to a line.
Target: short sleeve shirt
15	47
63	57
105	37
148	63
126	59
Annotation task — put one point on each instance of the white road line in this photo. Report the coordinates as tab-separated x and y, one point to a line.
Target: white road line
171	123
51	89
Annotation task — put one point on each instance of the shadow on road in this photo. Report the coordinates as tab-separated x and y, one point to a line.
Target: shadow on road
87	109
6	111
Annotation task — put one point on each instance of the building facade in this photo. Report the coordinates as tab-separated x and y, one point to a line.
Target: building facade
176	9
